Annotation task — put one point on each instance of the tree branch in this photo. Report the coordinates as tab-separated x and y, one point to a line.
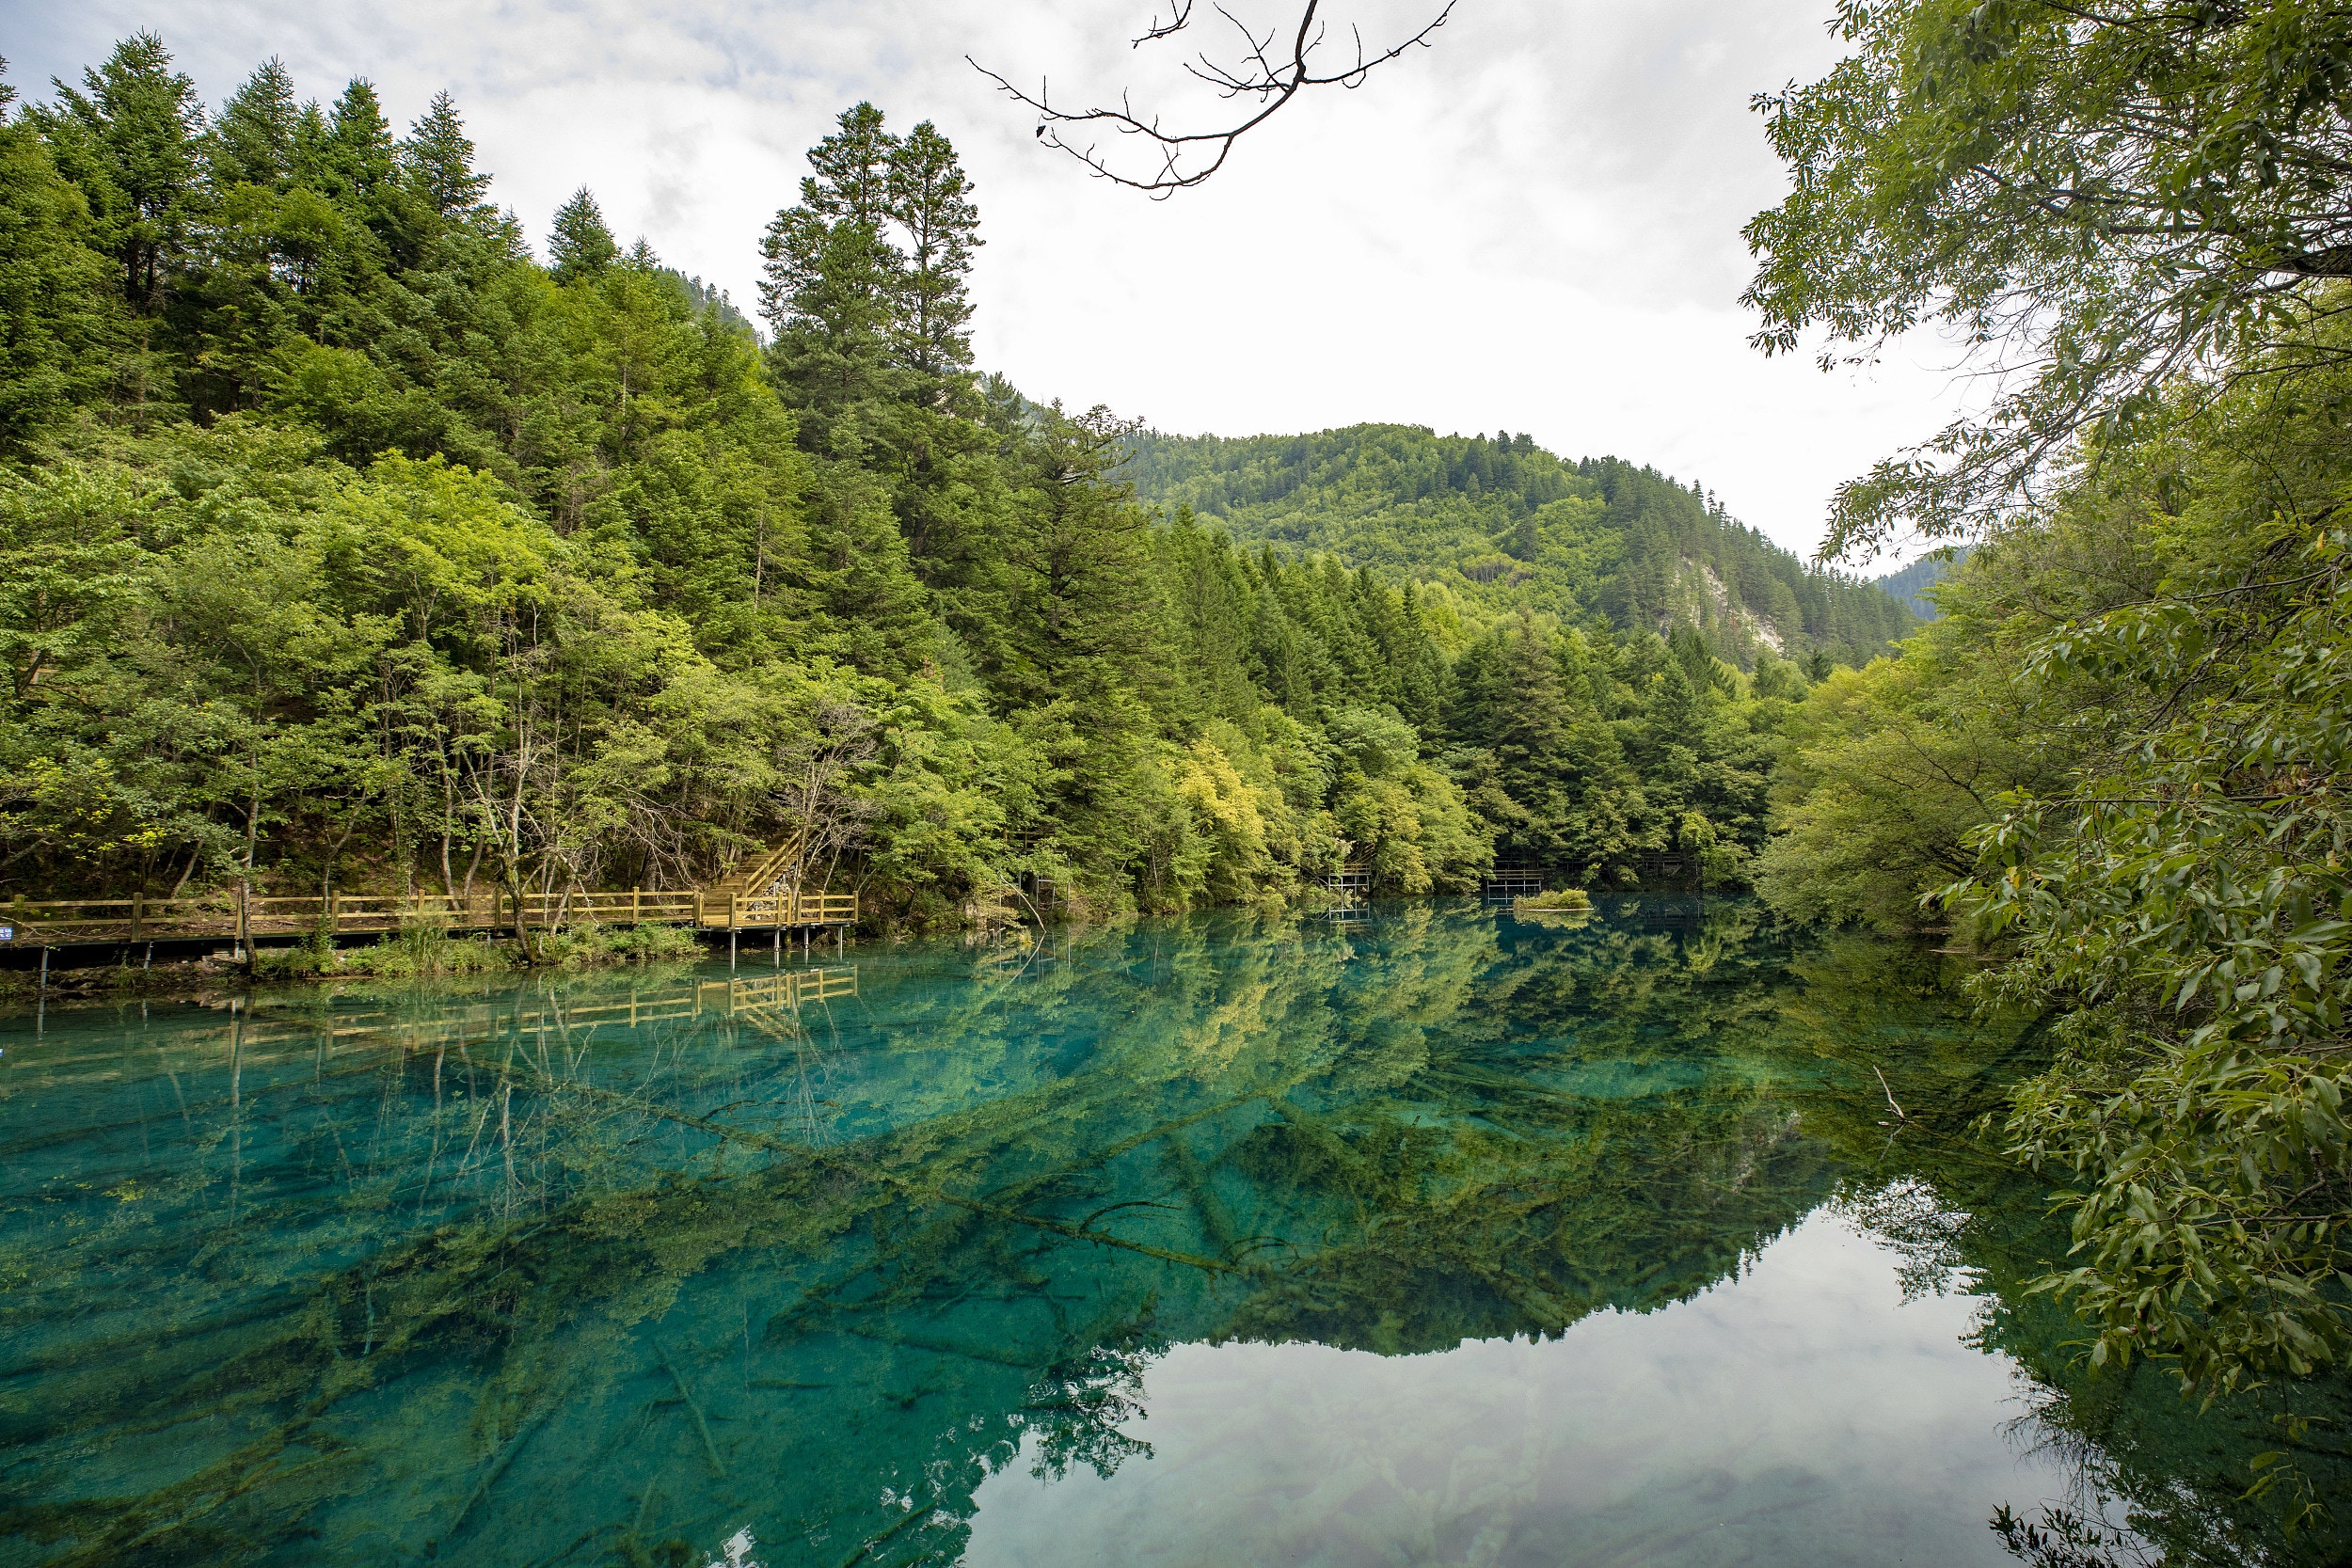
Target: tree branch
1186	158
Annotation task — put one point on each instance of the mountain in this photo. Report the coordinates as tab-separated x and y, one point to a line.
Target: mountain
1912	582
1491	525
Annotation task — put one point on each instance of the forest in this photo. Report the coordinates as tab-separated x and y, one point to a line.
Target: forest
1494	526
352	545
1911	583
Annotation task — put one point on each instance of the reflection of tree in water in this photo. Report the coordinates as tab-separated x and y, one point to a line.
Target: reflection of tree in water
2151	1477
557	1291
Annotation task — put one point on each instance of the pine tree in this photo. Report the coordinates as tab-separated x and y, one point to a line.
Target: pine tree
1532	720
437	159
313	146
1673	708
1082	619
361	157
933	202
858	575
580	245
253	140
1525	538
54	311
852	182
128	139
831	279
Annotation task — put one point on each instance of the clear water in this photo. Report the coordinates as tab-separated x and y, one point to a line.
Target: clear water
1431	1237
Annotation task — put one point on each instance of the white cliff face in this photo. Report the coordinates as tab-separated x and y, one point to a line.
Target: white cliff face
1704	598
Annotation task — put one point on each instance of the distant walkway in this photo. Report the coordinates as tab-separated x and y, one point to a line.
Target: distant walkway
739	903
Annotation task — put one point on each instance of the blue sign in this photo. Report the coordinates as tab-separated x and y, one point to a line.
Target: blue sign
8	933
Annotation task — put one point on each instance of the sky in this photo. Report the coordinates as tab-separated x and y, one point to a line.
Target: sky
1531	226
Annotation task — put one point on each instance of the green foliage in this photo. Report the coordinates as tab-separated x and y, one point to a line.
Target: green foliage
128	140
2093	201
59	319
2116	762
580	245
1887	771
1490	526
1600	755
352	547
381	556
2185	899
2131	723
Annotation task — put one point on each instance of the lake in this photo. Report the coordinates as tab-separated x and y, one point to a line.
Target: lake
1426	1234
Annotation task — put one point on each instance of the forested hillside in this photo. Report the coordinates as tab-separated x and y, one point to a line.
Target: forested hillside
1911	583
346	543
1495	524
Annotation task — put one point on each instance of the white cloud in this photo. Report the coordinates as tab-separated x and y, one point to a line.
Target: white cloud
1533	225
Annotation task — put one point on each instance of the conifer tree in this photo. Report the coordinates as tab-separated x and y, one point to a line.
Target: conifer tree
580	245
933	202
437	159
253	140
877	613
1082	618
361	157
831	279
54	309
127	137
1673	708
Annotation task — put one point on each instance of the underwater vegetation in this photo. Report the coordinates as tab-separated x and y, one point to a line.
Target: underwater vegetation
607	1268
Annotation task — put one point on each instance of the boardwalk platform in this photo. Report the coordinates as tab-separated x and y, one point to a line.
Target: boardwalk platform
115	922
1660	871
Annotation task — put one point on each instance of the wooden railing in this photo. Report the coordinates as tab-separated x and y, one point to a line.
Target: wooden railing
786	989
782	908
64	921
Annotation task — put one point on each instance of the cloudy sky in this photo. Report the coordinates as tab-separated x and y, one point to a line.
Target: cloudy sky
1531	226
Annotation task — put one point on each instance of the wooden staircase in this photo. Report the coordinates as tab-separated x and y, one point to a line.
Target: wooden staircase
754	875
751	895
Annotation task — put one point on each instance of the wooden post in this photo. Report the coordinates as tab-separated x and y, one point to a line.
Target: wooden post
698	908
636	907
138	908
335	915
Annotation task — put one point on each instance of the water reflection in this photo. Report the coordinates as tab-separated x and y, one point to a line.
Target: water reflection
676	1267
1795	1415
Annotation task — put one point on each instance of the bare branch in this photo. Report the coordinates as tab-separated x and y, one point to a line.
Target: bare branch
1180	20
1186	158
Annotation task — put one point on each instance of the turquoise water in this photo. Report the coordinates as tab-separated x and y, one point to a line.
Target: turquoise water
1432	1235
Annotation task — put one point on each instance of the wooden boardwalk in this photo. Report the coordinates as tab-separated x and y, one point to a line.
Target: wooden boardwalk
1661	871
737	905
766	1002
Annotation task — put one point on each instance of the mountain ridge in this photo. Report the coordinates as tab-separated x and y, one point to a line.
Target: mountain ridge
1489	526
1911	583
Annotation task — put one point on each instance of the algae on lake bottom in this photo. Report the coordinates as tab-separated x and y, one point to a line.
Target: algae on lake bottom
617	1268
